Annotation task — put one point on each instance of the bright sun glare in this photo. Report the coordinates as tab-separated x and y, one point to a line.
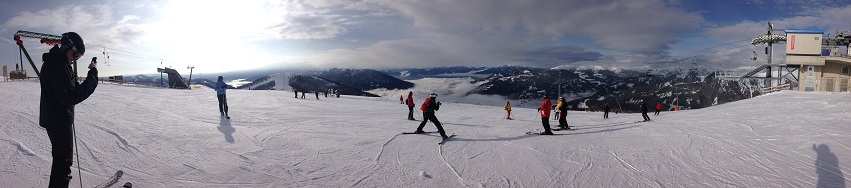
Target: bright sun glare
214	35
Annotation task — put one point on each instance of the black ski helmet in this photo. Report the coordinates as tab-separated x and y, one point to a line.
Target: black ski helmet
433	95
72	41
221	78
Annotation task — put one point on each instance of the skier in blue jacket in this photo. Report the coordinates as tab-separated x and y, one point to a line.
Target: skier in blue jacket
220	88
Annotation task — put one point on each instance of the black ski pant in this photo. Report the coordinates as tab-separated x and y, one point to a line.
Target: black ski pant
62	141
657	111
605	114
429	116
546	122
410	112
644	114
223	103
562	120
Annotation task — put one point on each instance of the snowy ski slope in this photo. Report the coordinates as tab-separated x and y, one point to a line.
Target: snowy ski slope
175	138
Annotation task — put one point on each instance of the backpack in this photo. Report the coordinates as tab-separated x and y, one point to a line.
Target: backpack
425	105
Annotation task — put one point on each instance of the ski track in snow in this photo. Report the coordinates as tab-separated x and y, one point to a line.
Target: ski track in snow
175	138
460	179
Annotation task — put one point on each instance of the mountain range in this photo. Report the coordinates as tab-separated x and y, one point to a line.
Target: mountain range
582	87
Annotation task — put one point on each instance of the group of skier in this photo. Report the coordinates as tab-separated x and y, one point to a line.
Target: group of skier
331	91
561	113
429	106
644	110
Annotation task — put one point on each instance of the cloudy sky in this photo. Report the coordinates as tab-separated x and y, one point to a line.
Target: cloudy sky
225	35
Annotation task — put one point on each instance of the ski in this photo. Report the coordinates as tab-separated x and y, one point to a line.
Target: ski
420	133
536	133
444	140
112	180
560	129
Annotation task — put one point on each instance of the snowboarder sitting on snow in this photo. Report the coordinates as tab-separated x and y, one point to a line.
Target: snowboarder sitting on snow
59	93
562	122
220	88
429	106
507	109
544	110
411	105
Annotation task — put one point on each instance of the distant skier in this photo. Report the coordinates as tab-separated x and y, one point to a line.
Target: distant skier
296	93
411	105
401	99
429	106
60	92
220	88
317	95
302	94
658	108
338	93
544	110
507	108
644	111
562	117
606	111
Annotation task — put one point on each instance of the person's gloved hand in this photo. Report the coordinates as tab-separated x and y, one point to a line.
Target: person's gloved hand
93	64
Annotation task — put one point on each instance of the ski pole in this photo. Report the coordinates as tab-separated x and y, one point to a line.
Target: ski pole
76	150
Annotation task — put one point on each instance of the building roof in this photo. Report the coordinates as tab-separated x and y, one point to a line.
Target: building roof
806	31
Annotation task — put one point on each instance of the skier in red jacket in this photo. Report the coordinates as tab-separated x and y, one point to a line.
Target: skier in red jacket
545	115
411	105
658	108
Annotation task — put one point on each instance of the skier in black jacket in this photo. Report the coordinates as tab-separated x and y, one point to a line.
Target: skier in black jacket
60	91
644	111
606	111
429	106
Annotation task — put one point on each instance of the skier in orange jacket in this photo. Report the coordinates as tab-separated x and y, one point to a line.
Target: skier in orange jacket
507	109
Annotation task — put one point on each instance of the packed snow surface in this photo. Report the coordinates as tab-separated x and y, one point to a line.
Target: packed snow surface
176	138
